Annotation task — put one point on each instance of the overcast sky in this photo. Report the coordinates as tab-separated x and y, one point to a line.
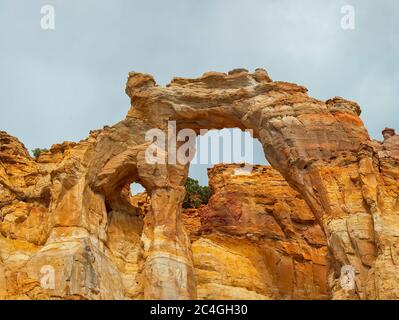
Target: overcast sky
56	85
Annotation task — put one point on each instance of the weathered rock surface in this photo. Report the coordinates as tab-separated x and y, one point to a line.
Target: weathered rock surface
257	239
68	215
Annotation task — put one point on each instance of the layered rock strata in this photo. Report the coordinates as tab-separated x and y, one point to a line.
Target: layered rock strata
59	212
257	239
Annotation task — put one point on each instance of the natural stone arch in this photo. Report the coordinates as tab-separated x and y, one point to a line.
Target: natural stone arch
320	147
303	138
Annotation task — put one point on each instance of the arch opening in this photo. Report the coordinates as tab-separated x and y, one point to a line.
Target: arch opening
225	146
254	206
136	188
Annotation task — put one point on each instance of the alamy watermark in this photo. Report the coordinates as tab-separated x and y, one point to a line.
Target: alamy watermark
348	17
348	277
47	277
179	147
47	21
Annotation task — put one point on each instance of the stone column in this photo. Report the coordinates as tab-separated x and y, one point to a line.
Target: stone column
168	267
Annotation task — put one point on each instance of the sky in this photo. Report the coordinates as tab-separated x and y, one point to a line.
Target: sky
57	85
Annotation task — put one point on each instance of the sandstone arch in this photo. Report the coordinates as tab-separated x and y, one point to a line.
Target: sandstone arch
305	139
321	148
302	137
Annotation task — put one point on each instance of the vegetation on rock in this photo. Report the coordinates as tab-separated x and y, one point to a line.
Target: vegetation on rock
195	194
36	152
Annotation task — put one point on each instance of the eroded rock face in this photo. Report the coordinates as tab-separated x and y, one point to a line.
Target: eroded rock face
257	239
68	213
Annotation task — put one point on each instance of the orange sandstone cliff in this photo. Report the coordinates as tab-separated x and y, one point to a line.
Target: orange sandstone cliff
257	239
69	228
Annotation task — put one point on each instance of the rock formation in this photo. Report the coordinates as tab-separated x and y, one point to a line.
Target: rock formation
70	229
257	239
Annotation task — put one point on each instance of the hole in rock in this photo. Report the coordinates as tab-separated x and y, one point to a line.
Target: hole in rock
139	198
253	214
136	188
230	145
227	146
130	199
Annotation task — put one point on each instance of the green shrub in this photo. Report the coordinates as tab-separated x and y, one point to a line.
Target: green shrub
195	194
36	152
